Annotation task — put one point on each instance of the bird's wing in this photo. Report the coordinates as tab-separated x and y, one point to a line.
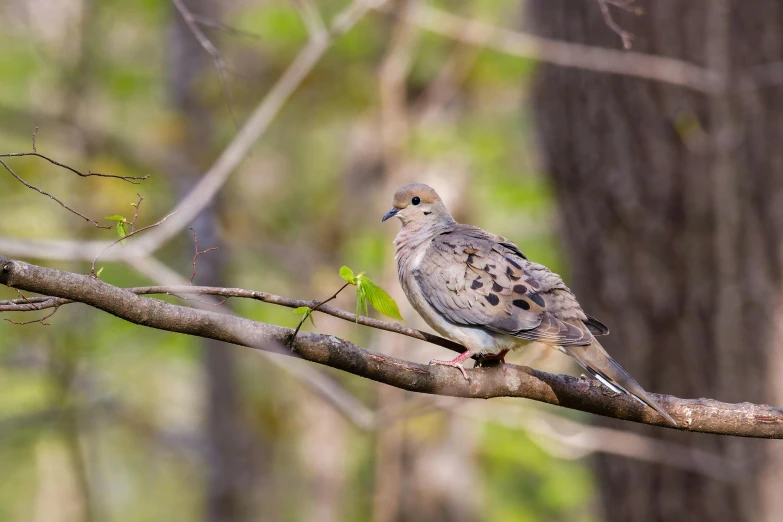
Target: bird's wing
472	277
595	326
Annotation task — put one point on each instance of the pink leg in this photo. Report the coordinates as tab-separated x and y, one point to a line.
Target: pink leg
457	362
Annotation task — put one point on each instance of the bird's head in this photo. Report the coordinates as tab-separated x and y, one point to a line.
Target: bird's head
420	204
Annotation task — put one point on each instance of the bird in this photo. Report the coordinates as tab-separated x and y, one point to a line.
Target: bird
479	290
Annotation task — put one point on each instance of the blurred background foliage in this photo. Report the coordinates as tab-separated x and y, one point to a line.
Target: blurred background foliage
103	420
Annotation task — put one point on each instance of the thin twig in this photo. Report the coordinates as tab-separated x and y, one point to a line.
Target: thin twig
210	48
130	179
321	384
34	133
31	303
565	54
207	22
213	180
27	304
123	238
198	253
312	310
42	320
136	212
48	302
255	126
25	300
200	301
625	36
66	207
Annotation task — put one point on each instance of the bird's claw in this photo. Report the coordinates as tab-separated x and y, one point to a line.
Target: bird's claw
489	360
453	364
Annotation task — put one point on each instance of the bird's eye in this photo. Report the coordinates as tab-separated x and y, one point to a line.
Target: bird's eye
416	200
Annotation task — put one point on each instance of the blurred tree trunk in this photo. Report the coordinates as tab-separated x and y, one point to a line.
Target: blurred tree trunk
229	462
671	209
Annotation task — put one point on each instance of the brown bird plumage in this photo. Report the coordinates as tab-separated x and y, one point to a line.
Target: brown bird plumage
480	290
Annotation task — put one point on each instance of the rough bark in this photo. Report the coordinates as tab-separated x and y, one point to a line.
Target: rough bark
695	415
672	222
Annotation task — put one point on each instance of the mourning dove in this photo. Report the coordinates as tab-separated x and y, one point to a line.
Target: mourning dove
480	290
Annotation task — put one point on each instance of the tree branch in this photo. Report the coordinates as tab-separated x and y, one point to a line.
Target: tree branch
697	415
210	48
625	36
203	192
53	198
44	302
565	54
318	382
135	180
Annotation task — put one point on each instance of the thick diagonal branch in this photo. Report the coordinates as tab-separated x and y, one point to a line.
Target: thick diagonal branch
698	415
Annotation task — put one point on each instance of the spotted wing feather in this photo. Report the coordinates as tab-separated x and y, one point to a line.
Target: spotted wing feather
474	278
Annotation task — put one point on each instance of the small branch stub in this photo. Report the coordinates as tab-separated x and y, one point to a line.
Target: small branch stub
198	253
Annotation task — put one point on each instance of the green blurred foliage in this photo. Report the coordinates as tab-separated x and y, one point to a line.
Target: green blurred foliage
296	210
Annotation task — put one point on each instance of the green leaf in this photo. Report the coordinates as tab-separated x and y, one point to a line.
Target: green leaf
347	274
98	274
378	298
122	231
307	312
116	218
361	300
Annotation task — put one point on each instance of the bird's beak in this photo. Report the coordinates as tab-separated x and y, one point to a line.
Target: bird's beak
390	213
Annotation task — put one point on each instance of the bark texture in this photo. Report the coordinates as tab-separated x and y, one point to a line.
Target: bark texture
672	218
695	415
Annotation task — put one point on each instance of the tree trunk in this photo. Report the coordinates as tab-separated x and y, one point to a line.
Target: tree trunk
232	455
671	212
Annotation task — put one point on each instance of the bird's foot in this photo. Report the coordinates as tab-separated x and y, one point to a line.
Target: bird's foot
490	360
453	364
456	362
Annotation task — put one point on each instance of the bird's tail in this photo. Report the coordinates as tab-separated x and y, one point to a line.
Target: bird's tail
600	364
